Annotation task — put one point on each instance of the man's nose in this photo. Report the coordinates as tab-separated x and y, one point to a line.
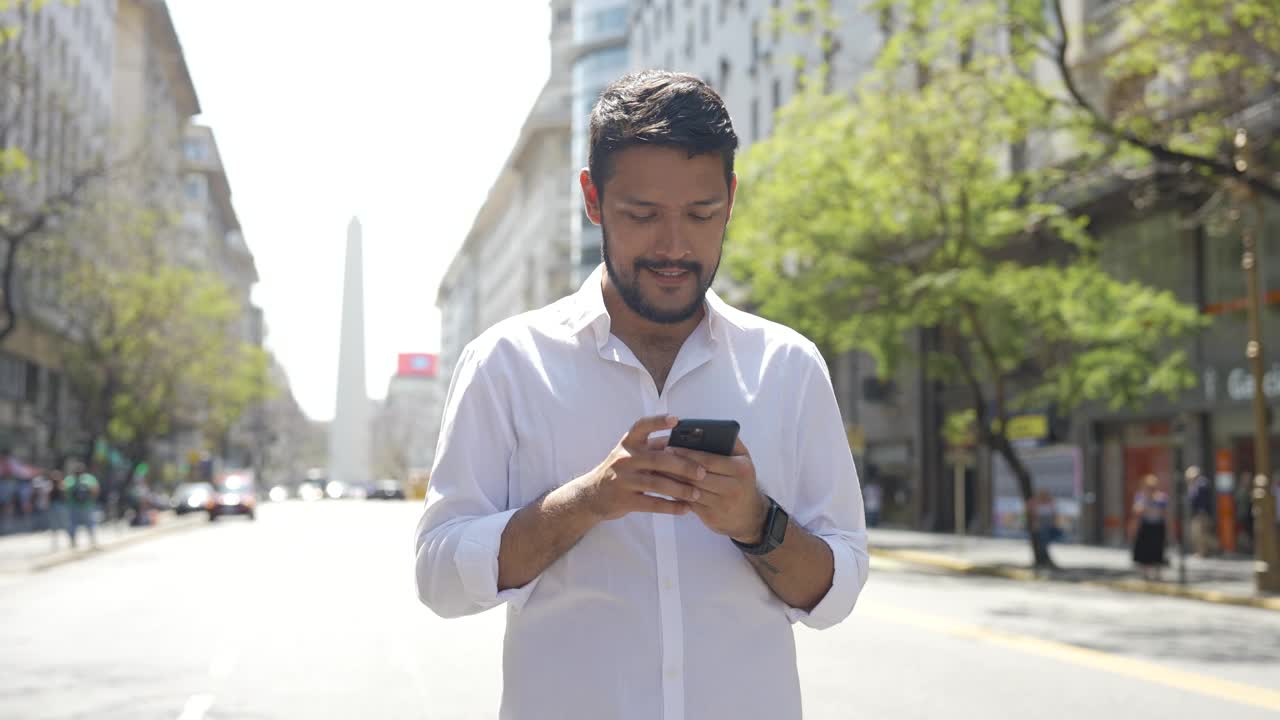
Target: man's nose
672	242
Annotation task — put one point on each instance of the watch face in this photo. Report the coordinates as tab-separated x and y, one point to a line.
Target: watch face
778	528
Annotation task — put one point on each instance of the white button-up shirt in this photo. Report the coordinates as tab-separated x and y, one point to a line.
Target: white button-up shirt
648	616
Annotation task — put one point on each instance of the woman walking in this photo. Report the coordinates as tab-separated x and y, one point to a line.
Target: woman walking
1150	510
57	506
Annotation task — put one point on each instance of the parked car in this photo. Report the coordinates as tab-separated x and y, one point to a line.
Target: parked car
387	490
233	496
192	497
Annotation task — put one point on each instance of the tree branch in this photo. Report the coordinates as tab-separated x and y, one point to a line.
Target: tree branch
1160	151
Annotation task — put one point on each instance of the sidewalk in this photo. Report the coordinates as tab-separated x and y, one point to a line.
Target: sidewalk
1220	580
29	552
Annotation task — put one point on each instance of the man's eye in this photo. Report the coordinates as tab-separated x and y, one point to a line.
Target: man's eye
642	218
700	218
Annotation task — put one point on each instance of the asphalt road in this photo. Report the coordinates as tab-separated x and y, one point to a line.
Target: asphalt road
309	612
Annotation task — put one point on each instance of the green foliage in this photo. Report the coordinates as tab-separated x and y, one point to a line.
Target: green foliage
864	218
152	345
1164	80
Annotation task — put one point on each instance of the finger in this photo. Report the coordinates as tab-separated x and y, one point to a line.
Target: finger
661	484
638	435
650	504
717	486
683	469
739	448
720	464
659	443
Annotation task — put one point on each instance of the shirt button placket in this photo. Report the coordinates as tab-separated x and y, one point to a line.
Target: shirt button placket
671	612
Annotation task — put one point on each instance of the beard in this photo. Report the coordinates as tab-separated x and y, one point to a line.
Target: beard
633	296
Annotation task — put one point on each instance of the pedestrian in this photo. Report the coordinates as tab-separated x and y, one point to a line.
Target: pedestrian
1150	511
82	495
1200	505
8	493
1045	509
58	512
872	499
642	580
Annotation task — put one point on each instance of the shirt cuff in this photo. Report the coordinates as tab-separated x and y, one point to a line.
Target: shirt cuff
850	574
477	562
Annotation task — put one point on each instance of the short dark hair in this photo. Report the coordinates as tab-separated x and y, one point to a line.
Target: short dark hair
658	107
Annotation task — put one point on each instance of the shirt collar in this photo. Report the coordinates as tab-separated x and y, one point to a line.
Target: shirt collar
589	311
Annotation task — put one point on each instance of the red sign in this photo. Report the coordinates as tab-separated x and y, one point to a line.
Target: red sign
418	365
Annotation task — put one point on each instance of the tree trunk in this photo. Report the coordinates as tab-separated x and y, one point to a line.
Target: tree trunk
1039	551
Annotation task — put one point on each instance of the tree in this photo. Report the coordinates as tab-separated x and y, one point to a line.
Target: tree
1176	98
865	218
1162	86
153	346
37	189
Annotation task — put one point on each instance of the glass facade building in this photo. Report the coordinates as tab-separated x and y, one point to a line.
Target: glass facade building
599	56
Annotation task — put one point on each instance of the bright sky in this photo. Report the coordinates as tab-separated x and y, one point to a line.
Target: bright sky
398	112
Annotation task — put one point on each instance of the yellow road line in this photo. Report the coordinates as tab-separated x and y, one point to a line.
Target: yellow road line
1096	659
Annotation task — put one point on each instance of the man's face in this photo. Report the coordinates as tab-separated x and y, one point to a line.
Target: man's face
663	220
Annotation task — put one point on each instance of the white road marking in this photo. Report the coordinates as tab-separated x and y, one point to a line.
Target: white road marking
196	707
1241	693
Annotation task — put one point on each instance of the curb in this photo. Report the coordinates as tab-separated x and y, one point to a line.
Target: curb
66	557
964	567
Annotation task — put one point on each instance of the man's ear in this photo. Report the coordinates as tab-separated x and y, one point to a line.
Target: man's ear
590	196
733	191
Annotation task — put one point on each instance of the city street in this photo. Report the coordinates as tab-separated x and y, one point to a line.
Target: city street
310	612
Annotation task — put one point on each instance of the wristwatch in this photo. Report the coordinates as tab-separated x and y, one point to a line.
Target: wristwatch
775	530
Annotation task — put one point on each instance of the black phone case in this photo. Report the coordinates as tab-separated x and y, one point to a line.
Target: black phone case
713	436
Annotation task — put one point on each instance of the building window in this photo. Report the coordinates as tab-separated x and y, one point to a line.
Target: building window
706	24
32	389
774	20
755	41
671	15
688	42
724	74
777	94
195	150
195	187
13	377
755	119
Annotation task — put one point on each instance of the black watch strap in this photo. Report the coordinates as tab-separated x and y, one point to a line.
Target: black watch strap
775	531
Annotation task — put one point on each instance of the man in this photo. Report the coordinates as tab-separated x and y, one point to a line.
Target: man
1200	490
81	490
644	581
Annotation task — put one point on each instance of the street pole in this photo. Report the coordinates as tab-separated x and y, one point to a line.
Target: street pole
959	504
1267	564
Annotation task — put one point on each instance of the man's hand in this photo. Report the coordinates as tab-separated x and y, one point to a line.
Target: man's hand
730	504
636	466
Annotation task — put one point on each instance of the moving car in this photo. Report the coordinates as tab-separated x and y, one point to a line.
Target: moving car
192	497
387	490
233	495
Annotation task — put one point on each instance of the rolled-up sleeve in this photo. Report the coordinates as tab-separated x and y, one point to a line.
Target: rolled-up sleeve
460	533
829	499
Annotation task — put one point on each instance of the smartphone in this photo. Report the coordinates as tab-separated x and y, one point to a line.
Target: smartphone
713	436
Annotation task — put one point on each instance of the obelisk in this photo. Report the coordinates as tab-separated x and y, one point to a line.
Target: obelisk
349	434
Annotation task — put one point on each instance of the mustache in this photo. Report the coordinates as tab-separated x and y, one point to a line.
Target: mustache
687	265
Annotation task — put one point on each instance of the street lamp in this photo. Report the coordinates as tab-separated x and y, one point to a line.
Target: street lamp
1266	550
